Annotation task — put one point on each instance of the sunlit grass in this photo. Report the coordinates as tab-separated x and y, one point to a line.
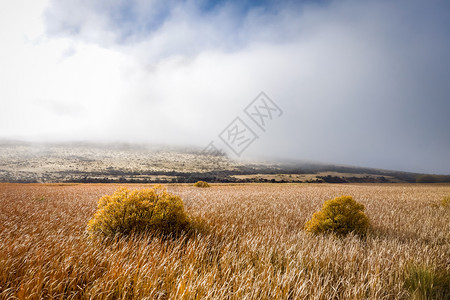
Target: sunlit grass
253	245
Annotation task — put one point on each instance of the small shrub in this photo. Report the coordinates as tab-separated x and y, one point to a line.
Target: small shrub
201	184
424	282
39	198
125	212
340	215
445	202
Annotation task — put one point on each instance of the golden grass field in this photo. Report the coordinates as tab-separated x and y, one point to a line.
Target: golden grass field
254	248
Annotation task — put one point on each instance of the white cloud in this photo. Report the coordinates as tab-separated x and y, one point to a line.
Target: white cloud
40	74
352	77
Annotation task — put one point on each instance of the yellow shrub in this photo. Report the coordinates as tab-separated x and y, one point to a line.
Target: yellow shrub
340	215
126	212
201	184
445	202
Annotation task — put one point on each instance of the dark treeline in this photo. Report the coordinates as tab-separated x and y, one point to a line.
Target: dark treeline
432	178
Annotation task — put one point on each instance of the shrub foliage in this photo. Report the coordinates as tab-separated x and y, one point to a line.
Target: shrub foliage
340	215
125	212
201	184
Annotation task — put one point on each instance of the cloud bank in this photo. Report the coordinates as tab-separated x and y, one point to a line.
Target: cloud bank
360	82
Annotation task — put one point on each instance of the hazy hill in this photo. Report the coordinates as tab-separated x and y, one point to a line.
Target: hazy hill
121	162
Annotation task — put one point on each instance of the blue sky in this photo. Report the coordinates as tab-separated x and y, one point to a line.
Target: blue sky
361	82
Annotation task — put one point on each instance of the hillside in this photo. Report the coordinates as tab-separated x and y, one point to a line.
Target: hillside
121	162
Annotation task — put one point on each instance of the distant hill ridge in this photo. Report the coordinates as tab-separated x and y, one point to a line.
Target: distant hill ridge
124	162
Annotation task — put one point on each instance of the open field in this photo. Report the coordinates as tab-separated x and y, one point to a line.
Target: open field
254	248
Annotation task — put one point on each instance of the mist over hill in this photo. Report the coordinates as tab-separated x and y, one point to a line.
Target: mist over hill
362	83
144	163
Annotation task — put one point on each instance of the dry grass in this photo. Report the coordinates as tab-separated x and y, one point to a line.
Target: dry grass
255	247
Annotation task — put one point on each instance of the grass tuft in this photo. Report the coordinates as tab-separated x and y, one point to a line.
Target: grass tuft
424	282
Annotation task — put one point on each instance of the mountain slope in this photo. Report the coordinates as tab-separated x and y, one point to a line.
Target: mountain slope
121	162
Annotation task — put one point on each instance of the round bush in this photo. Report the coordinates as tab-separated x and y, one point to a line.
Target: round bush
125	212
340	215
201	184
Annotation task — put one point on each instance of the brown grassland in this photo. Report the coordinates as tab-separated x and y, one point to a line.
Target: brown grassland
253	247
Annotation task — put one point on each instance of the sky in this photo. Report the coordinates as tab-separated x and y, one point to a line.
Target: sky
364	83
